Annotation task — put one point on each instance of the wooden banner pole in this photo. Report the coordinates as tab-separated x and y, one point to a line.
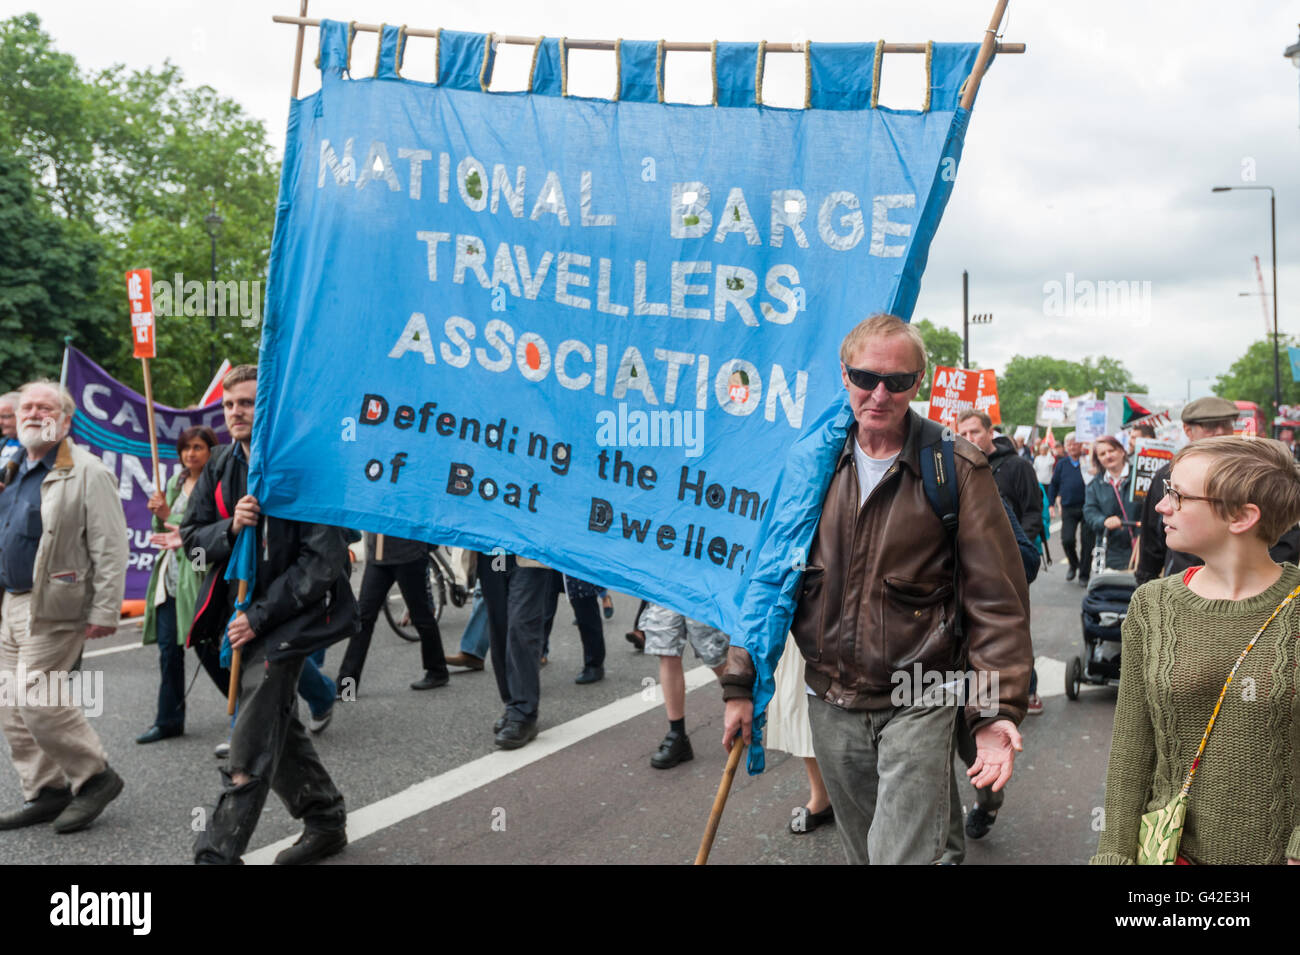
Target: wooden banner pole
232	695
985	54
692	47
297	53
720	801
153	433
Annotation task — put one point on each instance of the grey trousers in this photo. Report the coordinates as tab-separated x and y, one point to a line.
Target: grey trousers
271	746
890	777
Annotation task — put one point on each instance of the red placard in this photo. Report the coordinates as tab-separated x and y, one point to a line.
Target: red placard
139	296
956	389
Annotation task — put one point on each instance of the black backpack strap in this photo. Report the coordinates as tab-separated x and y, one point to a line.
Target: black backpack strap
939	477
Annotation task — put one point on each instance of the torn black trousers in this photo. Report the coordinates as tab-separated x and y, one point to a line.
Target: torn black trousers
270	745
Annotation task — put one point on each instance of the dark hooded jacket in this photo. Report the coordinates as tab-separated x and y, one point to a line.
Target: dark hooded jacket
302	600
1018	484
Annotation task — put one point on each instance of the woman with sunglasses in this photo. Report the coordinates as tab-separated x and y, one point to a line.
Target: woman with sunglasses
1208	700
1107	505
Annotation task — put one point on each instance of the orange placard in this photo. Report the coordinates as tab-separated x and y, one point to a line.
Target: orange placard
956	389
139	296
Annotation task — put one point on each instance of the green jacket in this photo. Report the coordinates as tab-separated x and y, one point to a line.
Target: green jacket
188	580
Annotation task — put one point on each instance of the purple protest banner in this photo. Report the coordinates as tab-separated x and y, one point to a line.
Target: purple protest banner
110	423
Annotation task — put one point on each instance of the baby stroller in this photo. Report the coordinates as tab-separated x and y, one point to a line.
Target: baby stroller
1105	605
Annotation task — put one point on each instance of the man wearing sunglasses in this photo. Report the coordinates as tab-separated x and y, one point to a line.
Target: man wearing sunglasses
1202	418
876	604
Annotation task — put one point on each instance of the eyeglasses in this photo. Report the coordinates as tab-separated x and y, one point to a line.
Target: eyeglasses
1178	496
896	383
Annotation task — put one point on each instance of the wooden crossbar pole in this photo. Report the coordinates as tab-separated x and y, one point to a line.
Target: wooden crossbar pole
986	53
572	44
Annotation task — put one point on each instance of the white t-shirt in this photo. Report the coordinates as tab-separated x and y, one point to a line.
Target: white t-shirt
870	470
1044	464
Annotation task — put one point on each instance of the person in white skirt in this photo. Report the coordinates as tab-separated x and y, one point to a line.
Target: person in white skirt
788	731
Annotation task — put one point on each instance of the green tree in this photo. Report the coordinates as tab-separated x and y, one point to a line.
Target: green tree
1250	378
47	280
942	348
132	161
1027	377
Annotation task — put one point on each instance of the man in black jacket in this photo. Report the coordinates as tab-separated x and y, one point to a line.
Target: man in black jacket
300	602
1067	486
1014	476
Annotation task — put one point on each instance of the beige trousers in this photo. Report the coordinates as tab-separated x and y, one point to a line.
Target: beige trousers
50	745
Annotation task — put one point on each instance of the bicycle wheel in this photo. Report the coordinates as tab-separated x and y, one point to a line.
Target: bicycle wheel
398	616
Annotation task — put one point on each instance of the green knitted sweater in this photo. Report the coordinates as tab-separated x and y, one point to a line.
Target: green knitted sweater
1178	648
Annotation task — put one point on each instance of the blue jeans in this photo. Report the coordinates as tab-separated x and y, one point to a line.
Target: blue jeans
315	687
171	663
477	637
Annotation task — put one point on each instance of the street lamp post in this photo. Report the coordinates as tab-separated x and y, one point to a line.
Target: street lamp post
967	319
213	222
1292	53
1272	214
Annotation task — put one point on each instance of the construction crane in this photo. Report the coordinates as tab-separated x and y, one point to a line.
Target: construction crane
1263	299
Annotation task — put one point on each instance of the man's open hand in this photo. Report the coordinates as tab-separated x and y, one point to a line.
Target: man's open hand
247	514
239	630
996	746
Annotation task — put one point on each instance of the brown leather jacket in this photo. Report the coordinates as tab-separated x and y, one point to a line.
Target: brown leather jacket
877	599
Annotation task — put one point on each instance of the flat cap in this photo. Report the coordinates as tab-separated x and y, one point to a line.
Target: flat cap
1209	409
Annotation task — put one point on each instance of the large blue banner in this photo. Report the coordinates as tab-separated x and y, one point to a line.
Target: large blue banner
585	331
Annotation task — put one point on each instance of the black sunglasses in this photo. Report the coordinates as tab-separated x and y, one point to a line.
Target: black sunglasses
896	383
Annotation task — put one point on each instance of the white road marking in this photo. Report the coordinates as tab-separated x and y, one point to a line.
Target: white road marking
464	779
107	650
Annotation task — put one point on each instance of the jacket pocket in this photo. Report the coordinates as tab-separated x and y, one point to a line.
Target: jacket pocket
62	595
914	616
807	624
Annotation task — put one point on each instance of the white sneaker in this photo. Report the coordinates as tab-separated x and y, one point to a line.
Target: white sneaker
222	751
318	725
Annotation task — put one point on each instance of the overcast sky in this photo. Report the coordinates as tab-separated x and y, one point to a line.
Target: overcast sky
1091	155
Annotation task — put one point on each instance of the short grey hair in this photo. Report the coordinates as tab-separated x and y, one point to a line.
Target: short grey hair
1070	437
10	399
65	396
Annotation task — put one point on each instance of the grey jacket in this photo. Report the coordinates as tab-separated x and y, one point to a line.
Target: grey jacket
80	570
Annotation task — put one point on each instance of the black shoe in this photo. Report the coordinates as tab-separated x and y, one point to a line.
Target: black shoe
312	846
802	821
500	724
431	681
1069	574
97	792
591	675
979	822
47	805
675	748
516	733
1083	582
153	734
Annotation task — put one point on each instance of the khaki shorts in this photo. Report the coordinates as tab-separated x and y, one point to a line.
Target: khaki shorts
666	632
